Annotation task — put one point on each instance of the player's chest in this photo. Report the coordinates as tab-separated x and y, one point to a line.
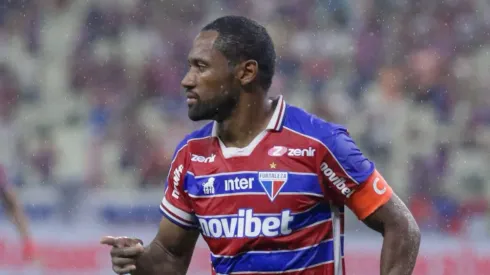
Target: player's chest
275	153
268	183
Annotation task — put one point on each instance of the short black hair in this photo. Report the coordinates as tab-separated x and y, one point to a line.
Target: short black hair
241	38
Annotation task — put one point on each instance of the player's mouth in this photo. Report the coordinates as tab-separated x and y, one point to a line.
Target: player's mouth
191	99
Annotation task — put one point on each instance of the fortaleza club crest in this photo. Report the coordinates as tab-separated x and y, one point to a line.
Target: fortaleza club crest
273	182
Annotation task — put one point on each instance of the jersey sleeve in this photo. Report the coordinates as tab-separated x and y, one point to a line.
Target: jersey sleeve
176	205
350	178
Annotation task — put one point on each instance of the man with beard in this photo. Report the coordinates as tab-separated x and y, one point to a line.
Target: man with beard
265	183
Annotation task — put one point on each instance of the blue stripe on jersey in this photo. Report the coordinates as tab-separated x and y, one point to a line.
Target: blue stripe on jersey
248	182
275	261
342	245
319	213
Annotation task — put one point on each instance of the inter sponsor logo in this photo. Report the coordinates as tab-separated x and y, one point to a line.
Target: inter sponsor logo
247	225
238	184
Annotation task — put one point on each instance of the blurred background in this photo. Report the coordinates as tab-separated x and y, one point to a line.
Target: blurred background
91	110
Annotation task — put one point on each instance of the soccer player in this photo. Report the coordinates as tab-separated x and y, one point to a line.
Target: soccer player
14	210
265	183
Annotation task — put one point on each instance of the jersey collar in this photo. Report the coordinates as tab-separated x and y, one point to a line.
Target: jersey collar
277	119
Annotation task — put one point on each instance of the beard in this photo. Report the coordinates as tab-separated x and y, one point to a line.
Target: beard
217	108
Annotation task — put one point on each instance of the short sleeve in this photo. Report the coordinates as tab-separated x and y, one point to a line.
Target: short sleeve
176	205
350	178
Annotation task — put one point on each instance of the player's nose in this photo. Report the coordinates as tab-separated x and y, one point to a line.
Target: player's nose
189	81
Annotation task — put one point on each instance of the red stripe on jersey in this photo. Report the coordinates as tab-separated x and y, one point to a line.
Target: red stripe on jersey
343	266
342	223
302	238
262	204
320	269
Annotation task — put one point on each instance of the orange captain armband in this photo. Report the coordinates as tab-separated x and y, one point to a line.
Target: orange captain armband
369	196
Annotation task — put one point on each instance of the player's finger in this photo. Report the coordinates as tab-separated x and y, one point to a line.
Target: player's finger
109	240
126	252
123	270
122	262
127	242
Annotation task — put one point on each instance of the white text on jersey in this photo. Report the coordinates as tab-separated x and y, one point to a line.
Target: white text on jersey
248	225
310	152
238	184
201	159
338	182
278	151
176	179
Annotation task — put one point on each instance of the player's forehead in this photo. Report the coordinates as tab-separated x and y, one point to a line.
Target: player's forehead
203	47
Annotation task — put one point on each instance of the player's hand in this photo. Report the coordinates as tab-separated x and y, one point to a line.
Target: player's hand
28	250
124	253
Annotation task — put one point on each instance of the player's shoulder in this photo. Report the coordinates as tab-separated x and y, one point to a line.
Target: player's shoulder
311	126
341	148
202	134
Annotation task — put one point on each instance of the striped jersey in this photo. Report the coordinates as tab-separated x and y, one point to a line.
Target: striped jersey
277	205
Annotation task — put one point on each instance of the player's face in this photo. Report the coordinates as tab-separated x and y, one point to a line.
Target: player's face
211	88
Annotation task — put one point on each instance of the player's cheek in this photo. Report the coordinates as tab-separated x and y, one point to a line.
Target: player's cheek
370	195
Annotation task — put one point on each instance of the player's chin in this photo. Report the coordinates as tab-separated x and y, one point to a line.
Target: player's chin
194	114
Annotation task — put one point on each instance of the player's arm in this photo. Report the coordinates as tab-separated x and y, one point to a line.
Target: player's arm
171	250
14	210
364	190
13	206
169	253
401	236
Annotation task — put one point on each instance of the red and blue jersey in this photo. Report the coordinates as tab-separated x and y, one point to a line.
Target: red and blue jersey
277	205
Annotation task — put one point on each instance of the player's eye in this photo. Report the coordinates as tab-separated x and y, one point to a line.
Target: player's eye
201	66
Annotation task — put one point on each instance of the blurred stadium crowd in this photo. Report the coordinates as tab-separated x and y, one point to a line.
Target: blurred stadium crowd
90	90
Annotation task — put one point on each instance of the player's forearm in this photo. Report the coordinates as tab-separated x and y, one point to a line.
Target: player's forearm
16	213
400	249
158	260
20	221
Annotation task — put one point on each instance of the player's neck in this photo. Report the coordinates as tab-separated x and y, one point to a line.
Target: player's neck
248	120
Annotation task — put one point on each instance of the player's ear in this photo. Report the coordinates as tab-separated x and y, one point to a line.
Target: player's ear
247	72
